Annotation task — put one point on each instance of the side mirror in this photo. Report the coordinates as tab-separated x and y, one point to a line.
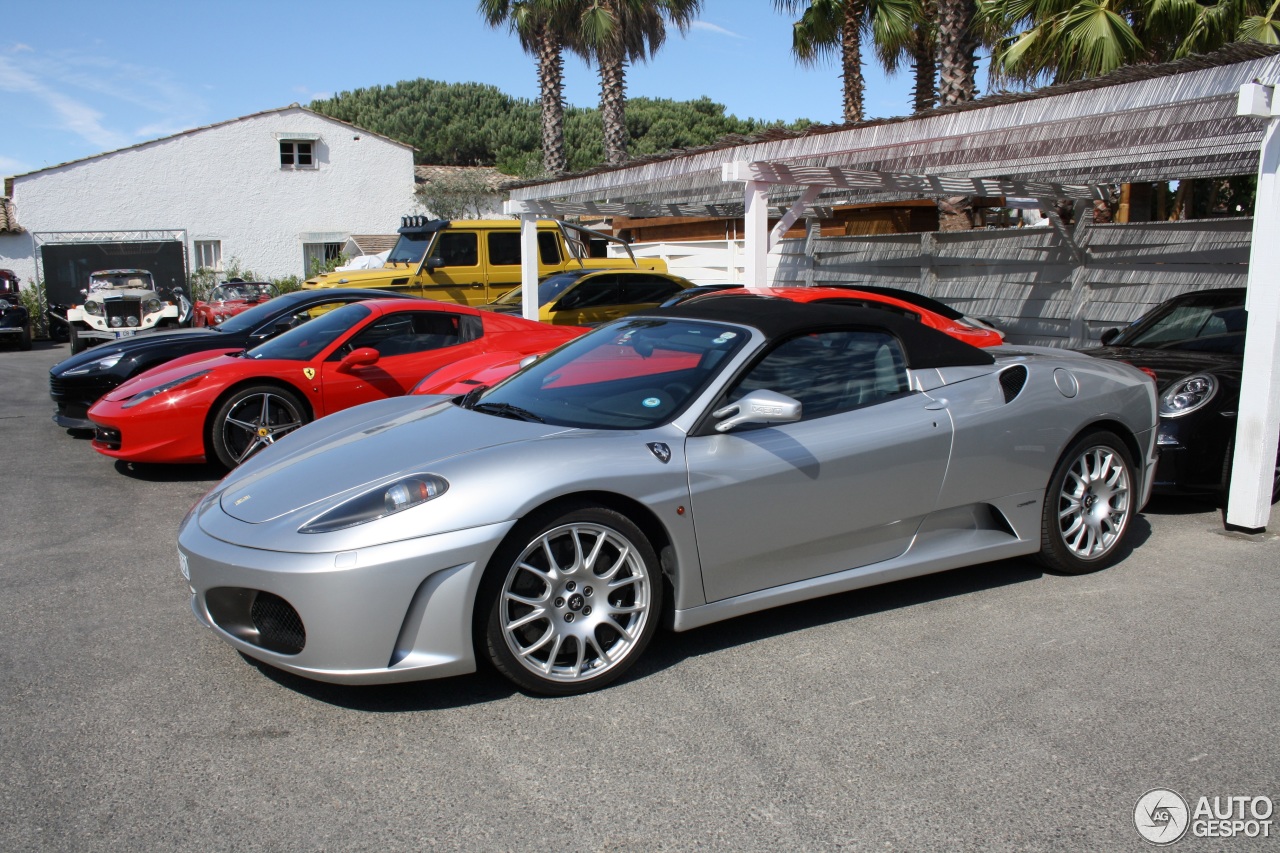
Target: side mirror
759	407
1109	335
434	263
177	290
363	357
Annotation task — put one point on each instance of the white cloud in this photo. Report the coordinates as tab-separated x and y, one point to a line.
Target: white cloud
71	114
712	28
10	166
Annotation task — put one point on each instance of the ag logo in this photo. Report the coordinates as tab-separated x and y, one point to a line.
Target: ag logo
1161	816
309	372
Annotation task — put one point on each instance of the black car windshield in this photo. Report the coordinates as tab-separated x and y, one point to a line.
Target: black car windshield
313	335
549	289
633	374
1206	323
411	247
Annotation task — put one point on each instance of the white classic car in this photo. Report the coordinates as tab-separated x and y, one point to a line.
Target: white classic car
121	303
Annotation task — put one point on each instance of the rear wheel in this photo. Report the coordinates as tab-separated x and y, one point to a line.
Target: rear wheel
1088	505
253	418
570	601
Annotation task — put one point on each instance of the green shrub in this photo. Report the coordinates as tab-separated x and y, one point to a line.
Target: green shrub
36	302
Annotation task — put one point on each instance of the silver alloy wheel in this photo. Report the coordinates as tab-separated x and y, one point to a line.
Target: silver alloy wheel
1093	504
256	421
576	602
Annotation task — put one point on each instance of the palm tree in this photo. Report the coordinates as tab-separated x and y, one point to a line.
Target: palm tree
957	45
542	27
903	32
614	32
897	29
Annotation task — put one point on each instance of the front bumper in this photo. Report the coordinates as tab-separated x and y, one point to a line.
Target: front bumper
390	613
74	395
1193	453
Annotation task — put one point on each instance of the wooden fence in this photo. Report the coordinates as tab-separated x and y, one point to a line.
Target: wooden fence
1041	285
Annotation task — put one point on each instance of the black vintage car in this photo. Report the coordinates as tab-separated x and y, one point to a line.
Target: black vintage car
76	383
15	320
1194	345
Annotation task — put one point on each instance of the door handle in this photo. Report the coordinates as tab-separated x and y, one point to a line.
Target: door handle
935	405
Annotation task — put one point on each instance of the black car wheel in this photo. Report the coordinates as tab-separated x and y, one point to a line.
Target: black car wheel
252	418
1088	505
78	344
569	601
24	341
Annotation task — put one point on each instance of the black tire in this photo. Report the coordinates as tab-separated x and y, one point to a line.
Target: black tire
556	593
1088	505
77	343
252	418
24	340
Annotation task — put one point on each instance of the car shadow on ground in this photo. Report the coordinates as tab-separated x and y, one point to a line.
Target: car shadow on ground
147	473
669	649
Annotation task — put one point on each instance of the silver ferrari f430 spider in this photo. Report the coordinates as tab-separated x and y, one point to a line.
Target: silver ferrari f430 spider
683	466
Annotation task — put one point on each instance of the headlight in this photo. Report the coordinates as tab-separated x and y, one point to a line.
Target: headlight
1187	394
131	320
93	308
143	396
379	503
153	305
105	363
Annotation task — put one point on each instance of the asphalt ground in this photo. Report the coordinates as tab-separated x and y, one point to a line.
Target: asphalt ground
988	708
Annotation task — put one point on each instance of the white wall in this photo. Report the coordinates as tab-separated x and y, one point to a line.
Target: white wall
226	183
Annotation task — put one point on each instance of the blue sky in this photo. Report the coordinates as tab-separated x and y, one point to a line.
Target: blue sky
79	78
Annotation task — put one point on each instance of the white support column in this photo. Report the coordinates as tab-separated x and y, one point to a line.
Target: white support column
529	265
756	225
1258	422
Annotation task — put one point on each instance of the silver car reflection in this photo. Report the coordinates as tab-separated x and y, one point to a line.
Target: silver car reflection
688	465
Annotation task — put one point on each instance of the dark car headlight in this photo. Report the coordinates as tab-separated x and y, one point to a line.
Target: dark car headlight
153	305
378	503
1187	394
97	365
143	396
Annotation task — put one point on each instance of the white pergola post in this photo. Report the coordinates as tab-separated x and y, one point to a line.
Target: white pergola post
1258	421
756	226
529	265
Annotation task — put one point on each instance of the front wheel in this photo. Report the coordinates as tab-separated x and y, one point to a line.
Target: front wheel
571	601
24	342
1088	505
253	418
78	344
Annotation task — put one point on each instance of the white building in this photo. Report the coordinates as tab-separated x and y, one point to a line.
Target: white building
272	190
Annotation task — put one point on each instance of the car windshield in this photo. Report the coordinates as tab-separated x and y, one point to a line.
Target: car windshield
549	289
633	374
228	292
411	248
309	339
1208	323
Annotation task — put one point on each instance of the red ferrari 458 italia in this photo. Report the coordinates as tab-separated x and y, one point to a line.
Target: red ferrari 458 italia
230	404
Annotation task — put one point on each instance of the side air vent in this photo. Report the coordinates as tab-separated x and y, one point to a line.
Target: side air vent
1011	382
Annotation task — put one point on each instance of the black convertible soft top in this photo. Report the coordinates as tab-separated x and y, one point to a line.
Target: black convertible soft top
780	318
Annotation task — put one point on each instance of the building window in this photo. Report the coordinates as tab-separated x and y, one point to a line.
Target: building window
316	257
208	254
296	154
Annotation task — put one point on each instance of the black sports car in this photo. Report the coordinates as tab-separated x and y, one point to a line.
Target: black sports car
1194	345
76	383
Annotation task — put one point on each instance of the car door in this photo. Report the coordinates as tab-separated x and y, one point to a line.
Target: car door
641	291
453	271
844	487
410	345
502	270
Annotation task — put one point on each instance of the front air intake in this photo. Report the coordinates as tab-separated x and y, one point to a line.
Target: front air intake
279	625
1011	382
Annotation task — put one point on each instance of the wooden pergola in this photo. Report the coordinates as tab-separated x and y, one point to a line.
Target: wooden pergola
1202	117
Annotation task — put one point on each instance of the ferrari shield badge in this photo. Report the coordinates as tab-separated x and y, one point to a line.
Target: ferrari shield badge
309	372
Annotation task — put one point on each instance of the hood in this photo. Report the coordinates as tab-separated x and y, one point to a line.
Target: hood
138	344
1171	364
169	371
358	448
362	278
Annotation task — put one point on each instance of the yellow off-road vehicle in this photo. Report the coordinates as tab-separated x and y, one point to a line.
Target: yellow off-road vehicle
474	261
